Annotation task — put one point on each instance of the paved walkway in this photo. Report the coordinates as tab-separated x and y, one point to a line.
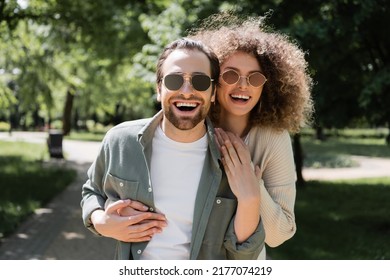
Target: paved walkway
369	167
57	232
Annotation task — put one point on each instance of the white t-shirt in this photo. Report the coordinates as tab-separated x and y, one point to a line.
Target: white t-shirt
175	174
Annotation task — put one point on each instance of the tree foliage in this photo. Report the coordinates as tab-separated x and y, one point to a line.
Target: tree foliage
66	47
104	53
348	51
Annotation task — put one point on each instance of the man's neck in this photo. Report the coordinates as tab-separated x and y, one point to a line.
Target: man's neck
183	136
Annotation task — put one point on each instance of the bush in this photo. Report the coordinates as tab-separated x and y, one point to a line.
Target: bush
4	126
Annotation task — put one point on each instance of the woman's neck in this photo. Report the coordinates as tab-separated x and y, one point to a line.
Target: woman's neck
238	125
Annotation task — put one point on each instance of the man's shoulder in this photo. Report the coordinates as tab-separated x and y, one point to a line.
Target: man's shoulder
133	124
127	128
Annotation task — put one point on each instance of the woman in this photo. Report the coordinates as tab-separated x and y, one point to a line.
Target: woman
263	95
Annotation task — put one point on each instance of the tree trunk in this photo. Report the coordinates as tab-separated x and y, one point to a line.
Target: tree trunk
76	118
118	115
388	136
298	159
67	115
38	121
320	133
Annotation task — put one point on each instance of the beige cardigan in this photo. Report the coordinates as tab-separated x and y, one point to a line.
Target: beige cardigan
272	151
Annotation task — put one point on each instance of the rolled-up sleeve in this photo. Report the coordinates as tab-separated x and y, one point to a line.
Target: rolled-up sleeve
247	250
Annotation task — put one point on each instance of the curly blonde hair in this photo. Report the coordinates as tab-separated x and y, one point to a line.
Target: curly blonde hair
286	101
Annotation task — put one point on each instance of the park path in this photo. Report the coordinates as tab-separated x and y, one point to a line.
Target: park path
57	232
369	167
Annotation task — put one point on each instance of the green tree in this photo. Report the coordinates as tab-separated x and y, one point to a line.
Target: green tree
81	44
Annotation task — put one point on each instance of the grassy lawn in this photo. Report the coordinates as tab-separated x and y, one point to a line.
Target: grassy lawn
340	220
86	136
335	152
25	184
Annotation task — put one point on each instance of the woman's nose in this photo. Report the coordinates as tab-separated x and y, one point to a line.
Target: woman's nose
243	82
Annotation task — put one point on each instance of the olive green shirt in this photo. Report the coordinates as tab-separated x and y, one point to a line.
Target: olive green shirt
122	171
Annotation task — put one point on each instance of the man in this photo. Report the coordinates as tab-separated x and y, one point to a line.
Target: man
156	185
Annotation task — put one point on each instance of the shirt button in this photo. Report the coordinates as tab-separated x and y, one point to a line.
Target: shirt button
121	184
139	252
219	201
149	189
151	209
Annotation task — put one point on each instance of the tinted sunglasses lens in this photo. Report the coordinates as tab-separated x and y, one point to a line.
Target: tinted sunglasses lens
230	77
173	81
257	79
200	82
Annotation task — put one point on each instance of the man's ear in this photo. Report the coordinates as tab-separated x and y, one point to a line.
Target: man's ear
213	96
158	87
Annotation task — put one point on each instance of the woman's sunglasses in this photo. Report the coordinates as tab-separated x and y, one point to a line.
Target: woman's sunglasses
199	82
255	79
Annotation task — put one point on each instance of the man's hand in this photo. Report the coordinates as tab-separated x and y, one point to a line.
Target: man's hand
128	221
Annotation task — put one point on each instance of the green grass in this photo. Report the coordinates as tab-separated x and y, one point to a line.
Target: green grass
378	133
86	136
340	220
24	150
336	152
25	184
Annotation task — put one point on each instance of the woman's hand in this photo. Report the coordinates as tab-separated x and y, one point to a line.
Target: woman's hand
242	175
244	180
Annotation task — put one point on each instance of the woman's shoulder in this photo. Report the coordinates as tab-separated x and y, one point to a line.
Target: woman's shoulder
267	133
266	141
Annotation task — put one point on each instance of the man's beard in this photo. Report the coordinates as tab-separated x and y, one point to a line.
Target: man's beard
186	123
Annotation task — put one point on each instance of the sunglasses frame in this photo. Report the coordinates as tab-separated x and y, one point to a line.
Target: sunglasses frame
186	78
246	77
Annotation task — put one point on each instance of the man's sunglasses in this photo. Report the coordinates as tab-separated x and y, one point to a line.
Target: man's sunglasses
256	79
199	82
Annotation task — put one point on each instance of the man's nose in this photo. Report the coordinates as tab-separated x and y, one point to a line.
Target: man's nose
187	87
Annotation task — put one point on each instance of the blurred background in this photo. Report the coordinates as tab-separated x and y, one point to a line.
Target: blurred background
70	70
